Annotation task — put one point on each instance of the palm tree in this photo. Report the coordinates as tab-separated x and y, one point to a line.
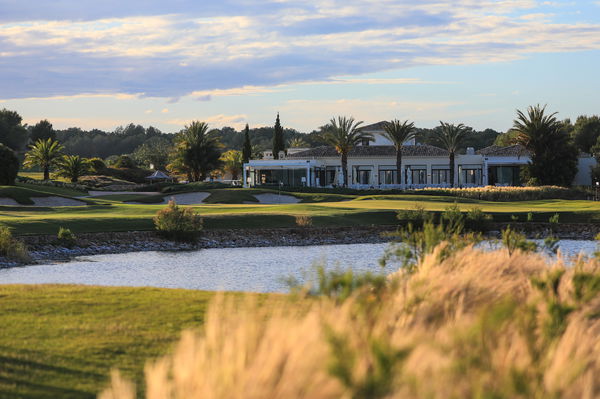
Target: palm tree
344	134
450	137
232	163
399	133
296	142
72	167
45	154
196	152
553	155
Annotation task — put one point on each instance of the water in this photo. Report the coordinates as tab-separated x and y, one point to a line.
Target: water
230	269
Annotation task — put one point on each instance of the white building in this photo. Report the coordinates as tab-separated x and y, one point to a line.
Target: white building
373	165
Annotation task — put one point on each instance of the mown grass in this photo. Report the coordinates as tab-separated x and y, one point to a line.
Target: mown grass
21	194
106	216
61	341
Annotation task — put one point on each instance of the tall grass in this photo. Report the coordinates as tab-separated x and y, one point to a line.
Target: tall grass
473	324
11	248
494	193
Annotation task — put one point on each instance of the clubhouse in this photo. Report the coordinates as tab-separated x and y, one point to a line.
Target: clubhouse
372	165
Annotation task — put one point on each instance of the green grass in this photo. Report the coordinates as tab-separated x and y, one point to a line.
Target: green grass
60	191
105	216
20	194
62	341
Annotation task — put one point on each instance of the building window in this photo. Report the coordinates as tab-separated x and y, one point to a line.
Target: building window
470	176
440	176
387	177
416	175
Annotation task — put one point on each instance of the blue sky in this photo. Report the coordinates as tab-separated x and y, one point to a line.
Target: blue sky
103	64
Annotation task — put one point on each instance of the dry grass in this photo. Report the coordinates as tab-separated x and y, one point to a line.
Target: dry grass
478	324
499	193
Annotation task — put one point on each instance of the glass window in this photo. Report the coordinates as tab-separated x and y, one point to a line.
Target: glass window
470	176
387	177
416	176
440	176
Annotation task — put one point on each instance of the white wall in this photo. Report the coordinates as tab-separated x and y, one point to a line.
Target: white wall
584	171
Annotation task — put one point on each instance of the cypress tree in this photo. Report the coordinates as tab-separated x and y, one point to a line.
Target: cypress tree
247	147
278	143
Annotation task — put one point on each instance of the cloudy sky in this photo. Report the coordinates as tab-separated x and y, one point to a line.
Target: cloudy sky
230	62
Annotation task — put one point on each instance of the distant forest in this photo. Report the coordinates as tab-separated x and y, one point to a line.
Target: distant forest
126	139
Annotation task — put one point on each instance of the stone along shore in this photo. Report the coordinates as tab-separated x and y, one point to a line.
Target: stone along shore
45	248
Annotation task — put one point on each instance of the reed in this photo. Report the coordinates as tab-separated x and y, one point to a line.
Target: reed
501	324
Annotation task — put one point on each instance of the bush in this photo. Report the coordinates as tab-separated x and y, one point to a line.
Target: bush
66	237
9	166
180	224
303	221
12	248
97	164
477	220
125	162
417	217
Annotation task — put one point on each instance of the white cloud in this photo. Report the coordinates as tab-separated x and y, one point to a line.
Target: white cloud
209	51
165	111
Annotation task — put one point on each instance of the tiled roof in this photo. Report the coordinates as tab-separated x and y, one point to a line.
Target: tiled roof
374	126
510	151
374	151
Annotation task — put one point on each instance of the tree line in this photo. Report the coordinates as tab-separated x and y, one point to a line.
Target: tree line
198	151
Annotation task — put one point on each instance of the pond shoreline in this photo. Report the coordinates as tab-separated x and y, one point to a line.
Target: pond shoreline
46	249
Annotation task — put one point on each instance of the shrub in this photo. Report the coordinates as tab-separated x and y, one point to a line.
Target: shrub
12	248
303	221
513	241
477	220
9	166
417	216
66	237
125	162
180	224
97	164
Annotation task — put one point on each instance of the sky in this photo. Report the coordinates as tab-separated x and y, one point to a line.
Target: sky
102	64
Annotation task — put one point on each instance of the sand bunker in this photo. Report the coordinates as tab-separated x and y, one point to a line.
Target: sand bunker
276	199
44	201
93	193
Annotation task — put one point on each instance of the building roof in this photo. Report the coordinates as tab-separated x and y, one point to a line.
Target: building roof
374	126
374	151
158	175
510	151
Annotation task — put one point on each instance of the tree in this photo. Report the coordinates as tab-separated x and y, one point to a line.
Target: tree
278	140
297	142
553	155
247	147
506	139
398	133
196	152
45	154
43	130
232	163
12	133
344	134
450	137
72	167
586	132
154	152
9	166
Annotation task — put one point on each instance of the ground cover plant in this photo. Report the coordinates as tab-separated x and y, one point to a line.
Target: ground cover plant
464	323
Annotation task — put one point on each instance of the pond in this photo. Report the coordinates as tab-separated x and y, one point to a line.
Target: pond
230	269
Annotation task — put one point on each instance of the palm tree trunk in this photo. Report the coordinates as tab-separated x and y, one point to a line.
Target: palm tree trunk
451	169
46	172
345	170
398	166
